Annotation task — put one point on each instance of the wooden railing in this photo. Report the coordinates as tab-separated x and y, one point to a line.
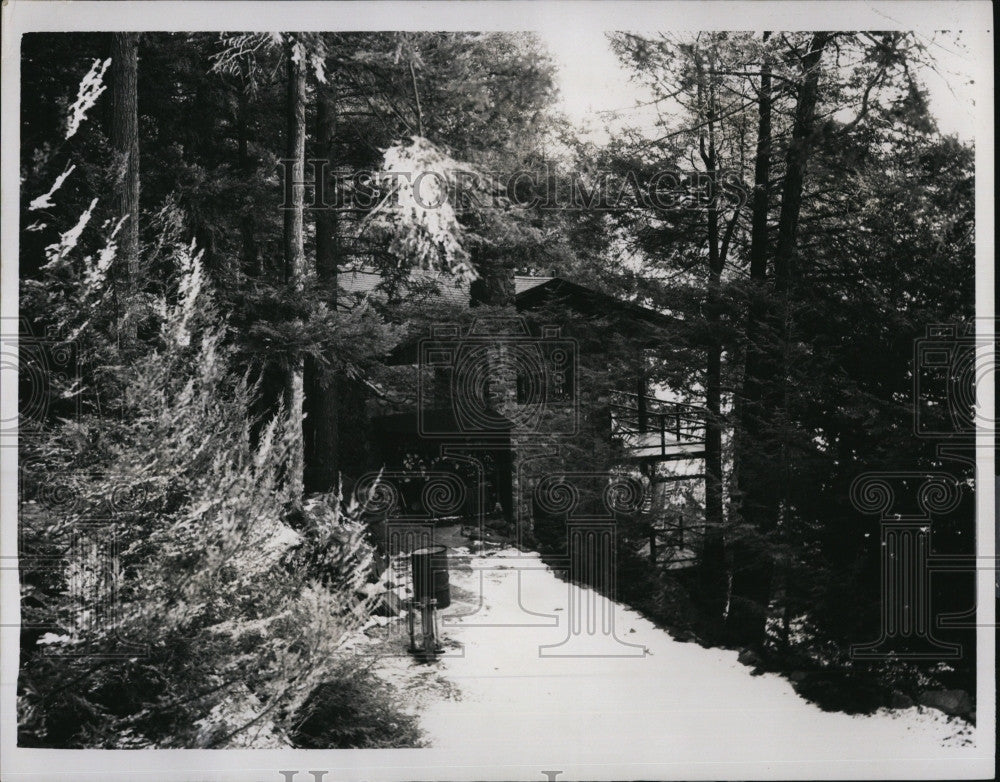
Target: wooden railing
655	427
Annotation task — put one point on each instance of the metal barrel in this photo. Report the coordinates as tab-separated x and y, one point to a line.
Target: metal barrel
430	575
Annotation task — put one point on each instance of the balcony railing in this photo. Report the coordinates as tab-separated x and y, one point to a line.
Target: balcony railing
650	428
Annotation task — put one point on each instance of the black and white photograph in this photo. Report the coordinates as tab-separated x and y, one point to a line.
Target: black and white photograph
486	391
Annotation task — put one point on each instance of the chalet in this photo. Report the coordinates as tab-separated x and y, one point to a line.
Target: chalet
494	397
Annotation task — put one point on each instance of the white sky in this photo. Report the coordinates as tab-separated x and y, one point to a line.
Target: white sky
592	81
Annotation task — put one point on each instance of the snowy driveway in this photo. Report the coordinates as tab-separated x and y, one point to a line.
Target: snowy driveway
674	709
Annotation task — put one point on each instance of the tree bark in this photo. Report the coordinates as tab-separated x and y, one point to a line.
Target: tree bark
796	159
295	263
713	586
322	386
765	412
756	496
249	255
125	144
757	304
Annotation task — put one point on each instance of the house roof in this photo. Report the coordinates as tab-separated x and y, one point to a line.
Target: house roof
433	289
587	300
428	286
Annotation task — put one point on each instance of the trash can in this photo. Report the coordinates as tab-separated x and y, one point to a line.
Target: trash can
430	575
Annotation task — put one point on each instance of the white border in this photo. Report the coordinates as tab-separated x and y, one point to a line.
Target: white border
973	18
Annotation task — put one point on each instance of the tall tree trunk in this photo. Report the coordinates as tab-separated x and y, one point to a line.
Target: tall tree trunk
125	144
713	564
295	261
757	497
796	160
202	124
713	586
753	577
249	255
322	387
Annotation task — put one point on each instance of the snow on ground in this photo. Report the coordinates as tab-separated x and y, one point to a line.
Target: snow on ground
494	695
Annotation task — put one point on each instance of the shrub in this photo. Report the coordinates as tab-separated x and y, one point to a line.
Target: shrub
354	710
179	602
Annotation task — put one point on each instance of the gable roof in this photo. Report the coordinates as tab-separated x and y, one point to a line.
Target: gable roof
428	286
587	300
434	289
